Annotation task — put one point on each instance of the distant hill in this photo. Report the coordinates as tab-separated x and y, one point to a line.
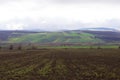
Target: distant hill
100	29
68	36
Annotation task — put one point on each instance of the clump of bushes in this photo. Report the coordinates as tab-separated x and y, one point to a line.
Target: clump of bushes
0	47
19	47
11	47
99	47
118	47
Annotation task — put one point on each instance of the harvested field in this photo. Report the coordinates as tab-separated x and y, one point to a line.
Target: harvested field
60	64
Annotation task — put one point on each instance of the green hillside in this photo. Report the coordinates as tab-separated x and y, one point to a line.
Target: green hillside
55	37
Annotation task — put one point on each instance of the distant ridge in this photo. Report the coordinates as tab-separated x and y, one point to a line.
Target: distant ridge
83	36
100	29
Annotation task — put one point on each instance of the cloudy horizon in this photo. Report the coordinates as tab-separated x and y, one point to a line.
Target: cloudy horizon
58	14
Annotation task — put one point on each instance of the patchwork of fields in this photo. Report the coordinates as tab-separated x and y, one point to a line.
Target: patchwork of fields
60	64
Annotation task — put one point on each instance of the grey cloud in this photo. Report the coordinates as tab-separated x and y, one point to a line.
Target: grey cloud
51	24
63	1
85	1
113	23
59	24
7	1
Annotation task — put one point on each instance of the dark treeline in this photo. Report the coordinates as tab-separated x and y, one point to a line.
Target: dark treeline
34	46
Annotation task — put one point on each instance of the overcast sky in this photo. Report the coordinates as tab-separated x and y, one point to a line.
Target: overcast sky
59	14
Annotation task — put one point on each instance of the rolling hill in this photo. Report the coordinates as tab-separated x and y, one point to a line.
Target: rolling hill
69	36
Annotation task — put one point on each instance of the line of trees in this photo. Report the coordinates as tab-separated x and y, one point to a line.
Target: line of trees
20	47
33	47
11	47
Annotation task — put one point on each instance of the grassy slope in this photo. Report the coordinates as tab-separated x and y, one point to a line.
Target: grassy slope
56	37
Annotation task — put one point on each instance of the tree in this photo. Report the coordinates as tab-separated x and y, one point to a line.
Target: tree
98	47
34	47
11	47
119	47
0	47
19	47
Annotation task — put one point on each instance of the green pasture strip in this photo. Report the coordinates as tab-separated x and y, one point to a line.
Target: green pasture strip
112	46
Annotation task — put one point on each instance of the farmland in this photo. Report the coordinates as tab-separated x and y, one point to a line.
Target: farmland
60	64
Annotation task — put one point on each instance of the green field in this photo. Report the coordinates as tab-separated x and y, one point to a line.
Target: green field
60	64
81	47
